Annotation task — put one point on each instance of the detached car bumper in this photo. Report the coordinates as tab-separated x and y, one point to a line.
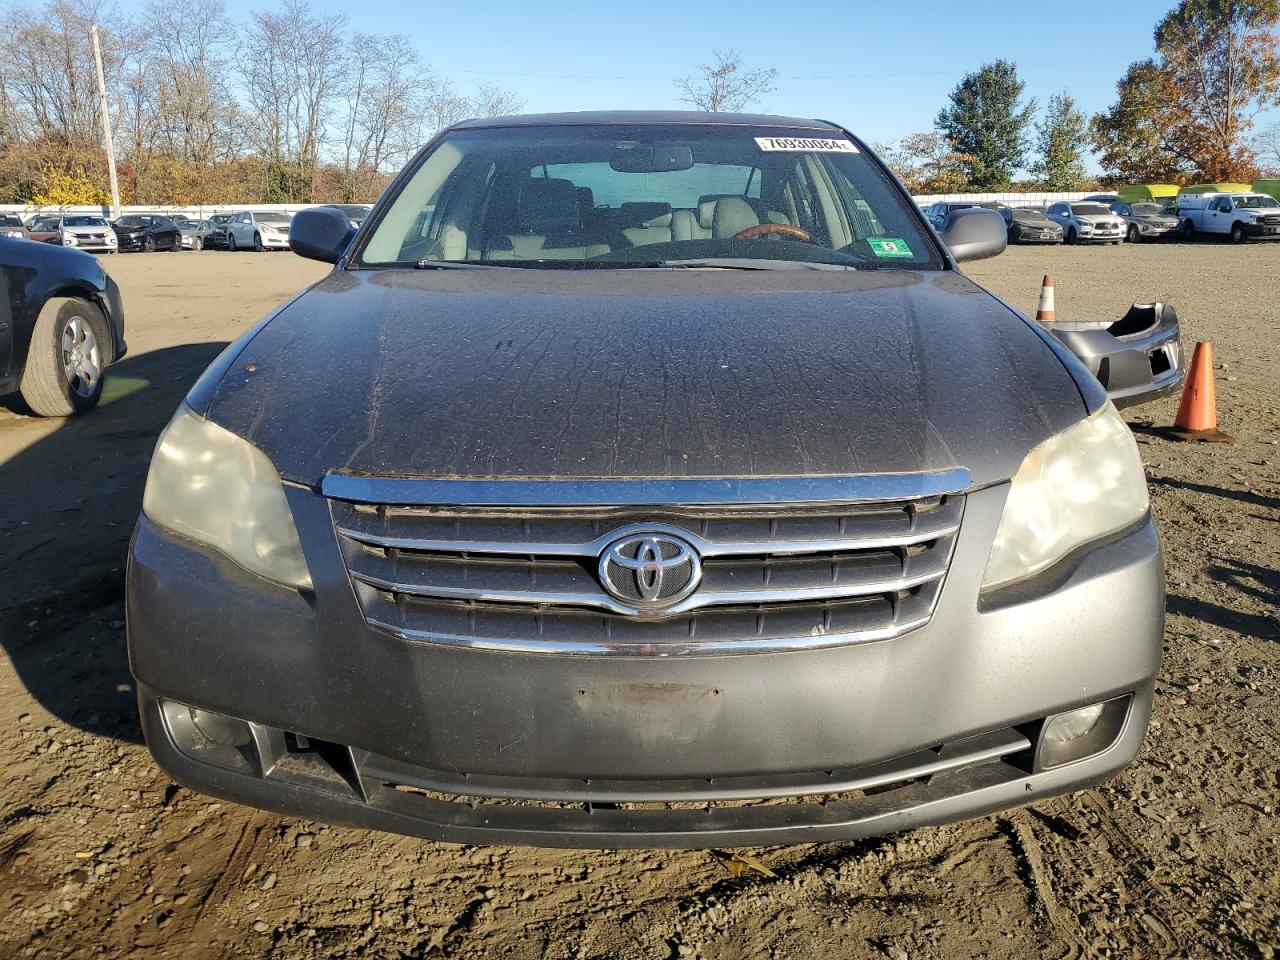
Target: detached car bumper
1137	358
300	706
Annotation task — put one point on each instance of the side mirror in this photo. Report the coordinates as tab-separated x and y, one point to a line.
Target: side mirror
975	234
320	233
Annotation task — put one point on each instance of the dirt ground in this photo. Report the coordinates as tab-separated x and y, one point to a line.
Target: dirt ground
101	855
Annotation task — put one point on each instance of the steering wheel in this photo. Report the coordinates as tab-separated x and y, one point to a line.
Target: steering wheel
773	229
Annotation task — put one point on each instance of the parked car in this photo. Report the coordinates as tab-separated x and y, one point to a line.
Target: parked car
939	214
187	229
88	233
515	529
258	230
1240	216
1086	222
1146	221
61	326
1026	225
1164	194
357	213
1137	358
11	225
211	234
148	232
45	229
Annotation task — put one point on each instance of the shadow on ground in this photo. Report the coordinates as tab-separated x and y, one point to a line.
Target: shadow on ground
69	505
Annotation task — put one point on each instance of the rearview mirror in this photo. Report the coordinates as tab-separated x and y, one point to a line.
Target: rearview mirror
631	157
975	234
320	233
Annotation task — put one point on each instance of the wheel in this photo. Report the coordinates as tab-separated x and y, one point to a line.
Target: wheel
66	359
1071	235
148	244
1237	233
1132	235
231	242
257	242
197	243
1188	229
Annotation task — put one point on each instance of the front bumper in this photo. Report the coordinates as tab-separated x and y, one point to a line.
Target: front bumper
360	727
1135	367
127	242
275	241
1261	231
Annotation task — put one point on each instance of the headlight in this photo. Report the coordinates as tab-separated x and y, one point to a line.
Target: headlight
1078	486
210	485
68	240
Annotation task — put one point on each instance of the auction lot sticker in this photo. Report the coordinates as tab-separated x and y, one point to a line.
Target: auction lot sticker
805	145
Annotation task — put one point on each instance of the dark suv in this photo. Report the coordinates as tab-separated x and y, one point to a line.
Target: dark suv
644	479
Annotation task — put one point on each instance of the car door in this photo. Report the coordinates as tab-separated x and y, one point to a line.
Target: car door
244	230
6	324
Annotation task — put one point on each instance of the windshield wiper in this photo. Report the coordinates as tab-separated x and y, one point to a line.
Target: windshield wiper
746	263
449	264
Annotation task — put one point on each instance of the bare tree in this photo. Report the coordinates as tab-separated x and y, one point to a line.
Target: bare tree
491	100
1267	146
291	65
726	85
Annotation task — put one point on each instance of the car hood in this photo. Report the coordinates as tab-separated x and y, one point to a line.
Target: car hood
643	373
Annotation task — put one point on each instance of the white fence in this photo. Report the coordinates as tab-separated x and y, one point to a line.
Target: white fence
199	212
1008	199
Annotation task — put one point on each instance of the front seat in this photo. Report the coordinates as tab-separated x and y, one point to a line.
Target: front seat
548	225
732	216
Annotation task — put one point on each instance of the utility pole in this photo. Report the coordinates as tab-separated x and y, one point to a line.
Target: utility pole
106	126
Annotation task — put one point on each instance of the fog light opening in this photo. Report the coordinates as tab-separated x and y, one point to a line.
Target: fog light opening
221	729
1073	725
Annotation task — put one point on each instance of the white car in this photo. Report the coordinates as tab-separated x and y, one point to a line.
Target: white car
85	232
1087	221
258	230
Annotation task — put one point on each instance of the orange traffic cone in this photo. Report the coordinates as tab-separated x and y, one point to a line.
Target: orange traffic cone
1045	312
1198	412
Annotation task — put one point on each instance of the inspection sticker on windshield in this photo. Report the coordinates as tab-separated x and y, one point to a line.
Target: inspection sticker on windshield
889	246
805	145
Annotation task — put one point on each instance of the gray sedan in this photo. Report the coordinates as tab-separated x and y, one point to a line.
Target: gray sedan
1146	221
645	480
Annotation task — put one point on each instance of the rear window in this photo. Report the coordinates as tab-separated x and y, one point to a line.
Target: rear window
680	188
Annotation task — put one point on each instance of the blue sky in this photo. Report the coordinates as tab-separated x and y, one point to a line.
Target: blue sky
881	69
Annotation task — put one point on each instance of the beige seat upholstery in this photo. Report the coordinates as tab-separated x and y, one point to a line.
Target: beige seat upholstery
645	223
732	216
548	225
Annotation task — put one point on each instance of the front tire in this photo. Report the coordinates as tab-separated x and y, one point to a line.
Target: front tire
231	243
1071	236
197	243
257	242
149	245
1237	233
67	359
1132	236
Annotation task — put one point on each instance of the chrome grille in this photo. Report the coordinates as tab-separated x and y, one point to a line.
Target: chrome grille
524	578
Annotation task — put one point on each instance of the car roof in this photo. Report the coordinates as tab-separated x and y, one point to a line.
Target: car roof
595	117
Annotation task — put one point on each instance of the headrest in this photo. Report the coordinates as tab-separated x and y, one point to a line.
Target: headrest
547	205
707	208
733	215
586	199
646	214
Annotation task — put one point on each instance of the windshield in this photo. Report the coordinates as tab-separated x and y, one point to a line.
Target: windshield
132	222
353	209
1089	210
272	217
1030	216
1147	209
1256	200
648	194
83	222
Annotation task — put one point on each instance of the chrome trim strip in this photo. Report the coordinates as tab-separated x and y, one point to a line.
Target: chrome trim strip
706	548
521	492
696	601
691	648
